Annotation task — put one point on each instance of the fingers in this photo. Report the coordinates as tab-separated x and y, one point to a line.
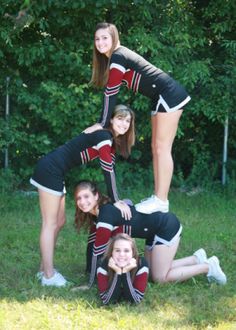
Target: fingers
92	128
111	262
87	130
132	264
125	210
113	265
80	288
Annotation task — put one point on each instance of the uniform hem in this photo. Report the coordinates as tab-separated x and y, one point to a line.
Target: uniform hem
51	191
163	241
162	102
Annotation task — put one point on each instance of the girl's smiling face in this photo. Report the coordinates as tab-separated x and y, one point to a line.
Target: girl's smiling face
121	124
122	252
87	201
103	41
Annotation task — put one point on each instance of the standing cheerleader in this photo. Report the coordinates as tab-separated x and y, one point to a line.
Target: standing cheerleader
49	177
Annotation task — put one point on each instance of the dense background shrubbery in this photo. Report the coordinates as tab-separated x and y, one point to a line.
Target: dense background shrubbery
46	50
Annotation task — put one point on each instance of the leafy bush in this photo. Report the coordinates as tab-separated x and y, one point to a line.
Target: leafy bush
46	50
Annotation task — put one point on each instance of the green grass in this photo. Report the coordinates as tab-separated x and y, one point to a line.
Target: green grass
209	221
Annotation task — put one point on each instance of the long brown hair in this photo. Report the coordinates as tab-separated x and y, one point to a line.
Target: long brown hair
83	219
101	61
123	143
109	250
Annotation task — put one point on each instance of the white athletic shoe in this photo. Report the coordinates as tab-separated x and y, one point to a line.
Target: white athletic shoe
201	256
152	204
40	273
215	272
56	280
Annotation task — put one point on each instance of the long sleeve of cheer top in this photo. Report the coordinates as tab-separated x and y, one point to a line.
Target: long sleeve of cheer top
105	151
89	250
129	69
121	286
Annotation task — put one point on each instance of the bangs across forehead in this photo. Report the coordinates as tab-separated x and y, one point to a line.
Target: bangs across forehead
122	113
102	32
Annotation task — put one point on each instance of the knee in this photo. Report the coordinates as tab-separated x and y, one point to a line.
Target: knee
54	223
159	278
61	222
160	148
49	224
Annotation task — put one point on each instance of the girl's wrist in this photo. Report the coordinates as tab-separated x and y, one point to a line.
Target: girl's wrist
124	270
119	271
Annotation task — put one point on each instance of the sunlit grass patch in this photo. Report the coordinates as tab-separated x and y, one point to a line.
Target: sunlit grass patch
208	221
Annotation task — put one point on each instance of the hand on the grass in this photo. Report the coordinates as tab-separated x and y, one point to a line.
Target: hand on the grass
80	288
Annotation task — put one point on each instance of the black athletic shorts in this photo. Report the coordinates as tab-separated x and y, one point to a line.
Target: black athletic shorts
173	96
168	232
48	176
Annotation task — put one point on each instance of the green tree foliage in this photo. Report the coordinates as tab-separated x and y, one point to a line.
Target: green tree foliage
46	50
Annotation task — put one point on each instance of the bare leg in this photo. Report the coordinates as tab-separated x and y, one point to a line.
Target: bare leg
52	211
187	261
61	219
164	127
161	265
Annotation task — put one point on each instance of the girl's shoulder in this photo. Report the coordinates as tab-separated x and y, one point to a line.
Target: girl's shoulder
121	53
102	134
108	212
124	52
107	207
